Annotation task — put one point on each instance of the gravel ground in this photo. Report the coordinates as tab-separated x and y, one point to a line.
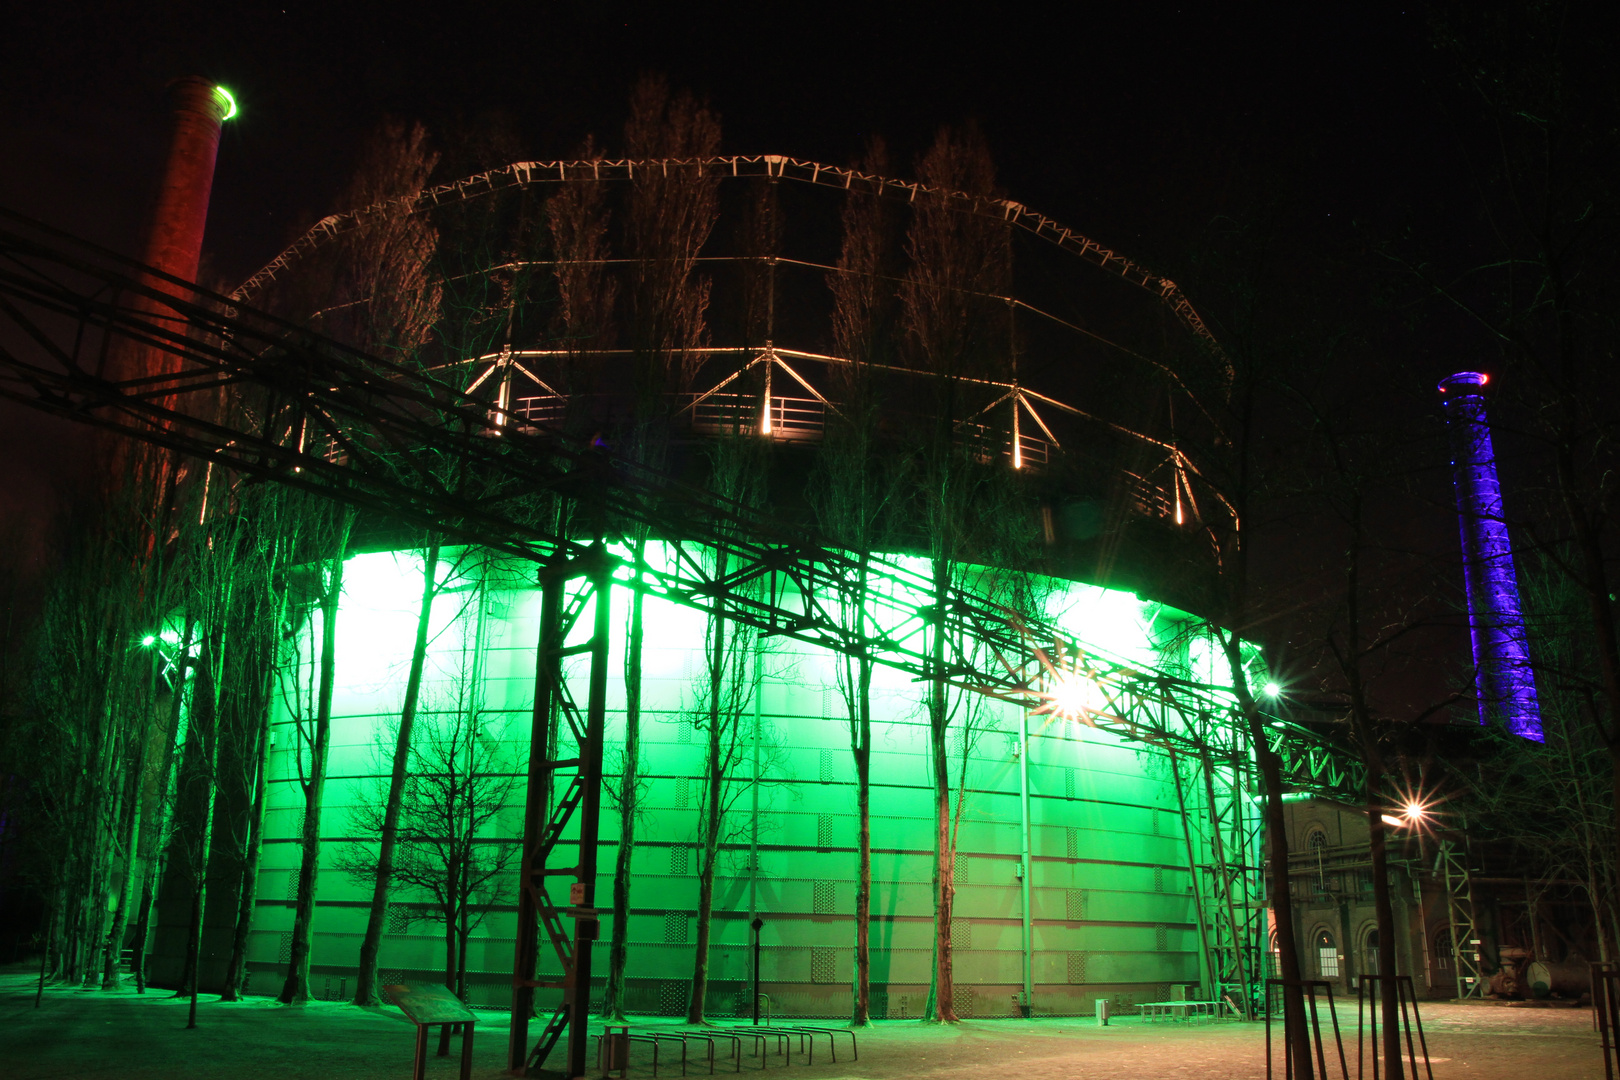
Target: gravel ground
80	1033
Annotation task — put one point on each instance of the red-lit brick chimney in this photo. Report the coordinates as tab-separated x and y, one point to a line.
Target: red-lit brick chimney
174	232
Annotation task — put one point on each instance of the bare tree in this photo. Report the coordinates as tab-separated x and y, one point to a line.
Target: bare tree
436	578
310	702
852	491
379	291
955	329
1557	812
459	780
722	698
1385	596
670	215
81	743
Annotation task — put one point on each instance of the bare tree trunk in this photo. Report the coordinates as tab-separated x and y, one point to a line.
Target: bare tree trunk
130	839
450	933
618	949
1276	829
295	991
1383	910
366	984
942	987
248	894
712	804
205	707
160	807
862	1013
463	932
49	946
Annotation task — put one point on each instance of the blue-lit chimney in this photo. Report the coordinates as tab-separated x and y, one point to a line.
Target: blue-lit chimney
1503	677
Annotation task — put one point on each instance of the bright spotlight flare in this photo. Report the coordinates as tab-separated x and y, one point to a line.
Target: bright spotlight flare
1064	687
1414	815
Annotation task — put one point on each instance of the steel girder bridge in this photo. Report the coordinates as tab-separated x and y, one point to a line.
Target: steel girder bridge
268	400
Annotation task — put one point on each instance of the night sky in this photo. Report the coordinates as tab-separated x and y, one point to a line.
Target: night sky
1135	127
1138	125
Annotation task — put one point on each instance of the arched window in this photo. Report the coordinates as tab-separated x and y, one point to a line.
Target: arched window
1327	955
1369	953
1442	949
1315	842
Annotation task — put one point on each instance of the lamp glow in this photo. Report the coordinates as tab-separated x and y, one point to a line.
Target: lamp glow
149	640
1072	695
226	96
1272	689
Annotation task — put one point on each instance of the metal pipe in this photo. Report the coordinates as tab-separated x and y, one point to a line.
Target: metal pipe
1206	954
1027	1006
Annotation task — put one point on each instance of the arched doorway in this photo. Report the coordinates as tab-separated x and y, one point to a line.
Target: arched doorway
1443	952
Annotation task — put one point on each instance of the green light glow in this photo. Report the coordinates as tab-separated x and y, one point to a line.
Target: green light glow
149	640
1092	794
229	101
1272	689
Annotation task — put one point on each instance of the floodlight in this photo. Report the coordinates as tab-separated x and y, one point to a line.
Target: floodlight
1072	695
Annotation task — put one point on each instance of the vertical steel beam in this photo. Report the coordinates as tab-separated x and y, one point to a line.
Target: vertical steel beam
582	895
544	823
1463	918
1027	1006
1198	875
536	809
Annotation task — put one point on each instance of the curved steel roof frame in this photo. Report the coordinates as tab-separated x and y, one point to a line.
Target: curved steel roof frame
524	173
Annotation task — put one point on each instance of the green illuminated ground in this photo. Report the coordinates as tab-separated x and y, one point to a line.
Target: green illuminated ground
80	1033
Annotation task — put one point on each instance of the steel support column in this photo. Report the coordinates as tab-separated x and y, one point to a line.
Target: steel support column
544	823
1451	866
1026	868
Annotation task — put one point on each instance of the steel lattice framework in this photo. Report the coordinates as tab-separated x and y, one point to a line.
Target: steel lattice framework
314	414
311	413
